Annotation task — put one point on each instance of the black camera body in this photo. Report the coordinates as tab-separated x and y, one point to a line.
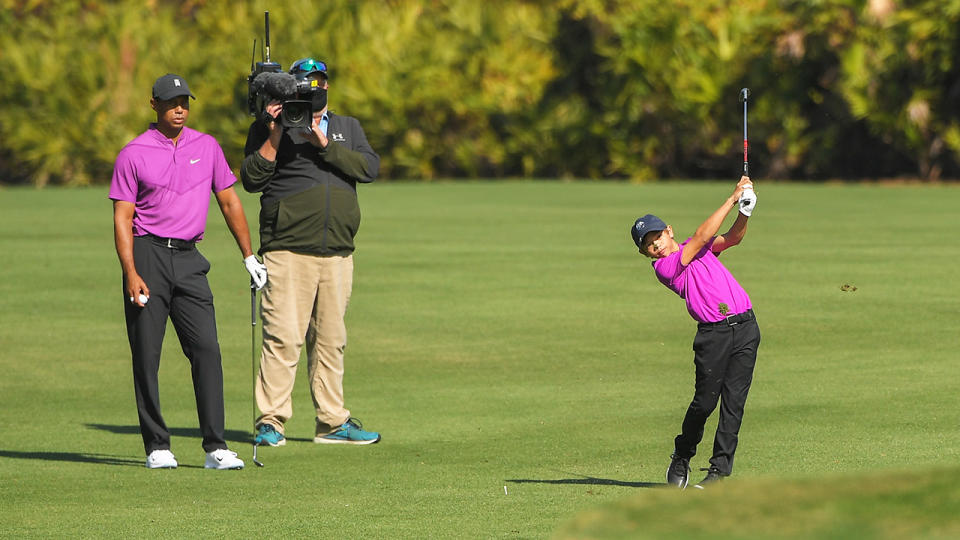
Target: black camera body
299	112
296	113
255	99
267	86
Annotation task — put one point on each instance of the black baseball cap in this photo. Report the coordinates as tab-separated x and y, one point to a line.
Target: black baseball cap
308	66
170	86
644	225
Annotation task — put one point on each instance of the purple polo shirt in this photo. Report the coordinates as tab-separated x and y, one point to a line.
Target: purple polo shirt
704	283
170	185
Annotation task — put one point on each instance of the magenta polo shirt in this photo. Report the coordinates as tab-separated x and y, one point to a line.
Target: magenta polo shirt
170	185
704	283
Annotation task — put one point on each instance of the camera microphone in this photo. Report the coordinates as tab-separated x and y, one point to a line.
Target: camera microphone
278	86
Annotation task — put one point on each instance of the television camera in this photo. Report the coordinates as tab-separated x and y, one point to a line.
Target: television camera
267	82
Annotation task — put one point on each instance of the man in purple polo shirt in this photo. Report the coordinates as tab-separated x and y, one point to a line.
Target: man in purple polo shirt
725	348
160	189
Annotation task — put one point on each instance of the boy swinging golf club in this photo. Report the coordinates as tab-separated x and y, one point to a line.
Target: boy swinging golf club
725	346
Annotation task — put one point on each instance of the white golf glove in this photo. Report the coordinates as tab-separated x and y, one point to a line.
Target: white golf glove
748	199
257	270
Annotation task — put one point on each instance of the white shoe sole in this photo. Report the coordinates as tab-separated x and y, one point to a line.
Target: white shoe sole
221	467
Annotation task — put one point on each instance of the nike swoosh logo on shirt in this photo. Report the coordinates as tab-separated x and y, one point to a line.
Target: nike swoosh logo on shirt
192	161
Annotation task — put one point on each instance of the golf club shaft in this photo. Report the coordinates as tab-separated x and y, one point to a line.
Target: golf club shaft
744	94
253	353
253	366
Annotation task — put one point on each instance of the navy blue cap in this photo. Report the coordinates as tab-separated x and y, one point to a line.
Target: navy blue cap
645	224
170	86
307	66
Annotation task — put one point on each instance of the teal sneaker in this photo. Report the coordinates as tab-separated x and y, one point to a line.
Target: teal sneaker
351	432
268	435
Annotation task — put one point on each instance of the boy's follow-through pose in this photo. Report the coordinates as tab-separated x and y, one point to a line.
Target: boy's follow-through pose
725	347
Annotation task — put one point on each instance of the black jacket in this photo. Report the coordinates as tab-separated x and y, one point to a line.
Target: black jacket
309	195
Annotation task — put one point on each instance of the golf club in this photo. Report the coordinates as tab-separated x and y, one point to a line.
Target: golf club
253	365
744	95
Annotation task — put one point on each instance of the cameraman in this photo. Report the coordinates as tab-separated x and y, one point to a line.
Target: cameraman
309	215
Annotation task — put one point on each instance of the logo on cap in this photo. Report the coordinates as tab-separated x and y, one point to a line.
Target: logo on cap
176	82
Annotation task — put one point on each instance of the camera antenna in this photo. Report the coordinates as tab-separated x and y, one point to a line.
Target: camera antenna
266	26
254	99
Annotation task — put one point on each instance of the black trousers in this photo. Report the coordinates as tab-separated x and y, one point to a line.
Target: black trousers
177	279
724	356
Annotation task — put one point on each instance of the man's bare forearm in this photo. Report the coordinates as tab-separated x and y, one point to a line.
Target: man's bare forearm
236	220
123	235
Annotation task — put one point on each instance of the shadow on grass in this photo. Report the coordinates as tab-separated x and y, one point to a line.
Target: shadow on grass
79	457
590	481
235	436
230	435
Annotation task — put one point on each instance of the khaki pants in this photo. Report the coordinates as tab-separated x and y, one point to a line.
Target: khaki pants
305	298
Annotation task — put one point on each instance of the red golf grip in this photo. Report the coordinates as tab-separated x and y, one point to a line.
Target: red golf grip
745	171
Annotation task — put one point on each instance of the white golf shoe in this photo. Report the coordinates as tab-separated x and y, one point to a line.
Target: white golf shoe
161	459
222	459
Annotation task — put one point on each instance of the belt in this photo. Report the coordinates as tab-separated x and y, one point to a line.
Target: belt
172	243
732	320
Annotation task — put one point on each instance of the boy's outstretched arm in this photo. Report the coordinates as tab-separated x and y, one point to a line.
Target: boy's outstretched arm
708	229
733	236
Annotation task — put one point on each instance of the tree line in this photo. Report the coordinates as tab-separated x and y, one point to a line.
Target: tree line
618	89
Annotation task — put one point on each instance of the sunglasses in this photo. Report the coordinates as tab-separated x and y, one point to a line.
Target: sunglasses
308	65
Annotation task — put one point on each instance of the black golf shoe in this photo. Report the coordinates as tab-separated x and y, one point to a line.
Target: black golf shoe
713	476
678	474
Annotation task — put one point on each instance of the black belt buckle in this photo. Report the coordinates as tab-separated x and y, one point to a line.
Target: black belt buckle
732	320
741	317
172	243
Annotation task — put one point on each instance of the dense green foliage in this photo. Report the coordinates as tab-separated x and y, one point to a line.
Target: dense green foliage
502	334
459	88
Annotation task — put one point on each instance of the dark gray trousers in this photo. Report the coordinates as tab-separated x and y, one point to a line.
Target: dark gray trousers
724	358
177	279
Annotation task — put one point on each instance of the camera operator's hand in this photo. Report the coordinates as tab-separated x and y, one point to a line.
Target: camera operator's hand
270	146
315	134
273	110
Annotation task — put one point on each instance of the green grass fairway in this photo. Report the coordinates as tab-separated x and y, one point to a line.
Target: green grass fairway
885	505
527	371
